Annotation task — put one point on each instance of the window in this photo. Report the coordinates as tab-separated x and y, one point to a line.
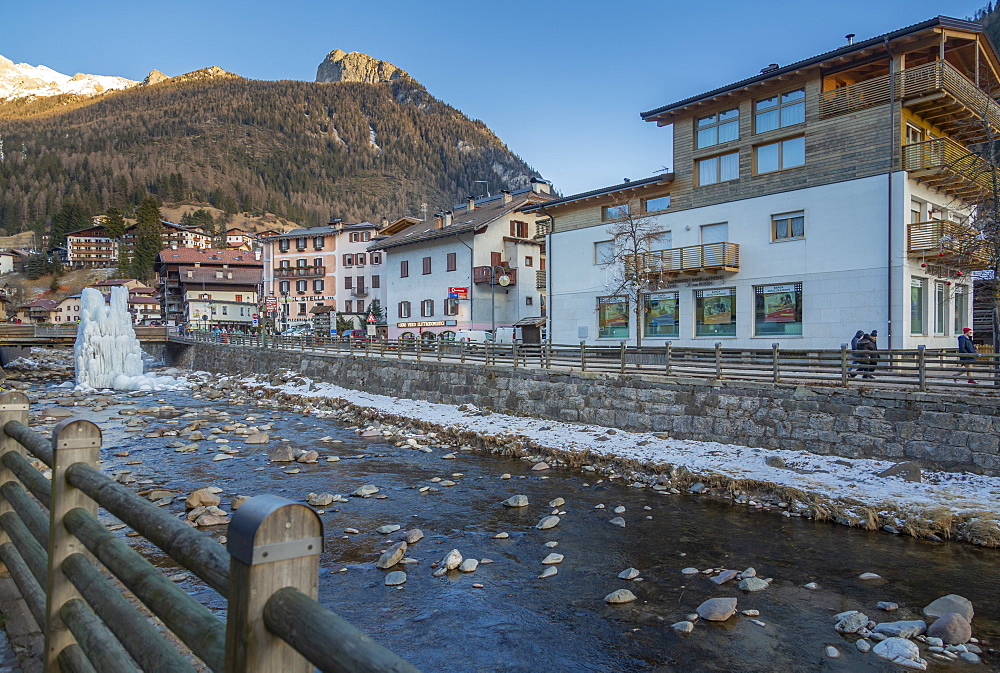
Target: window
283	285
318	261
426	265
451	307
918	305
239	299
348	260
376	281
778	310
225	310
655	204
961	309
359	259
367	236
348	282
348	306
301	285
659	314
780	155
604	251
529	261
616	212
354	237
612	318
318	285
302	309
404	309
452	261
302	262
284	264
719	169
940	308
787	226
404	268
301	243
496	258
715	312
427	308
717	128
318	242
359	284
283	245
714	233
518	229
376	258
529	300
778	112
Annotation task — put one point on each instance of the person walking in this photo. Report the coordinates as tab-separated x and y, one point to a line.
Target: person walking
854	347
867	357
967	354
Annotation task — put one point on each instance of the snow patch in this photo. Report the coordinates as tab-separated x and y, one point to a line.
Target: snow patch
20	80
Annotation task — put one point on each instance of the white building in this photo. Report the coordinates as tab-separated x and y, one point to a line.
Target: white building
439	277
793	215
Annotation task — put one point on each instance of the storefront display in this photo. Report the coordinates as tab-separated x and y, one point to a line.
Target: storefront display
715	312
612	318
778	310
659	315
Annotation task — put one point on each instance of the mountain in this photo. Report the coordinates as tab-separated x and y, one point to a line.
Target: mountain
20	80
372	144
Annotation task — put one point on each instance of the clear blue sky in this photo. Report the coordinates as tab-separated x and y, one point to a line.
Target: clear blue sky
562	83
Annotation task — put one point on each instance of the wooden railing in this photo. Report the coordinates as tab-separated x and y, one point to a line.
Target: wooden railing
914	84
950	166
50	537
692	259
540	281
299	271
919	368
951	241
27	332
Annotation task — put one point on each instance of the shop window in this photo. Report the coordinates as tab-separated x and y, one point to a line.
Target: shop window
659	315
612	318
715	312
778	310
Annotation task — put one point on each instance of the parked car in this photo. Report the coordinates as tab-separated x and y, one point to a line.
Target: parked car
299	330
476	336
354	333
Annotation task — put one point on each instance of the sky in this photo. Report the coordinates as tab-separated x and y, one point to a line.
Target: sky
561	83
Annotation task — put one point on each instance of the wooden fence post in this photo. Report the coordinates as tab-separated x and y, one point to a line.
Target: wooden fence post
418	340
621	348
513	350
461	350
73	441
273	543
583	356
667	364
13	407
843	365
776	375
922	367
718	359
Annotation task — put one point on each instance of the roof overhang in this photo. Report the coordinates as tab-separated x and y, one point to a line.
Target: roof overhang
632	186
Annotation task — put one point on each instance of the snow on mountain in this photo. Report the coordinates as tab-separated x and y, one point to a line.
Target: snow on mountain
20	80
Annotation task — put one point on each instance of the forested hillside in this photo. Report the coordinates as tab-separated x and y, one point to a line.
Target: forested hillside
305	151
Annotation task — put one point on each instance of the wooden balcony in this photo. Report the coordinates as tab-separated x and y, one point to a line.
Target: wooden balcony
300	272
949	166
481	274
690	261
937	92
539	279
946	242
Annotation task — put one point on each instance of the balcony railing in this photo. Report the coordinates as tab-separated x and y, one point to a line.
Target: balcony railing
947	242
300	272
938	92
481	274
946	165
540	279
690	260
359	292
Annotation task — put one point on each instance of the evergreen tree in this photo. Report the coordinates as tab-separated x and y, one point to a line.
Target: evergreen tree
114	224
71	217
124	267
35	267
375	309
148	239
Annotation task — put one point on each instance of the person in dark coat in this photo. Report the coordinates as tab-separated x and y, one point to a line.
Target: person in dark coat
867	357
854	347
967	354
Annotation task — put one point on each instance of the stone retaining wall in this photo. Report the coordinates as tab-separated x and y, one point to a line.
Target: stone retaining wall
939	430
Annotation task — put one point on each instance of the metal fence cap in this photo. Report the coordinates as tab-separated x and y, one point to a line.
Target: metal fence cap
249	517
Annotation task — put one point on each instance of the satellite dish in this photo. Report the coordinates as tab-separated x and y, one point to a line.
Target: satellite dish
504	280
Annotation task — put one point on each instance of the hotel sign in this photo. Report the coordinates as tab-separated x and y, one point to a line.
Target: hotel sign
427	323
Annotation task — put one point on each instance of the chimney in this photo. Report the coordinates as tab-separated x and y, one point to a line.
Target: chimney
338	224
447	218
385	222
472	204
539	186
769	68
173	246
850	38
256	255
505	196
438	220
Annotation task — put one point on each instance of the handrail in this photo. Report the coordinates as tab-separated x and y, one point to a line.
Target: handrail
672	261
89	626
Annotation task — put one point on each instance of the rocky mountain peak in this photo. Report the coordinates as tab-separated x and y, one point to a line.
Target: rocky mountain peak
340	66
154	77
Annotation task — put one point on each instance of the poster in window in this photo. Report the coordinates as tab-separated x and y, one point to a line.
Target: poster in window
779	304
614	312
717	307
661	310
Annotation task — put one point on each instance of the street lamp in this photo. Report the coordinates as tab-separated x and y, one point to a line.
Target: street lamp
504	280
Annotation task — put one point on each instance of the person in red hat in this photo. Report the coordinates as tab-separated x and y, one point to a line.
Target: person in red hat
967	354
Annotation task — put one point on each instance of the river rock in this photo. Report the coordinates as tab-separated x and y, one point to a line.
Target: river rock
547	522
863	645
548	572
309	457
869	576
948	604
281	454
832	652
724	576
690	571
413	536
953	629
395	578
321	500
452	560
211	519
391	556
852	622
620	596
717	609
902	629
628	574
683	627
552	559
365	491
619	510
257	438
557	502
237	501
887	606
202	498
537	467
902	652
617	521
385	530
970	657
753	584
468	565
908	471
516	501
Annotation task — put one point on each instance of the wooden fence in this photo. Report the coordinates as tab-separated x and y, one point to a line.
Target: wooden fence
51	541
921	369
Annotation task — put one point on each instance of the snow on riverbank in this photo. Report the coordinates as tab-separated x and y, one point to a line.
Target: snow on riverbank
946	503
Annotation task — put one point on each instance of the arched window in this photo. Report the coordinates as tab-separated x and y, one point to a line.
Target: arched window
447	335
406	335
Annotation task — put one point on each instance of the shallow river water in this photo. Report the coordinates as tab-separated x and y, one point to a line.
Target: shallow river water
519	623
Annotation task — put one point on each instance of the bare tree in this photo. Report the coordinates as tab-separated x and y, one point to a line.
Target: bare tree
634	235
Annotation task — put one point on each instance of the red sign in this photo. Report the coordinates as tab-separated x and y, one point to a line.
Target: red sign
271	303
255	316
371	319
458	292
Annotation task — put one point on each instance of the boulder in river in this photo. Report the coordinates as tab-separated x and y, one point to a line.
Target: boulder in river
391	556
452	560
547	522
953	629
202	498
948	604
902	652
717	609
395	578
516	501
753	584
620	596
902	629
468	565
281	454
413	536
365	491
321	500
257	438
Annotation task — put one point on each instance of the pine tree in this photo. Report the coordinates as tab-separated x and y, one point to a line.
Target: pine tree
148	239
114	224
71	217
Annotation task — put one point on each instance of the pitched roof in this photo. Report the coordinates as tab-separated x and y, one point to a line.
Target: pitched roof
209	257
938	21
207	275
112	282
463	221
45	304
603	191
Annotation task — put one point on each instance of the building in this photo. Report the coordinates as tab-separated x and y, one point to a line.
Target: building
130	283
7	262
207	287
322	266
806	202
478	266
38	312
91	248
240	239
